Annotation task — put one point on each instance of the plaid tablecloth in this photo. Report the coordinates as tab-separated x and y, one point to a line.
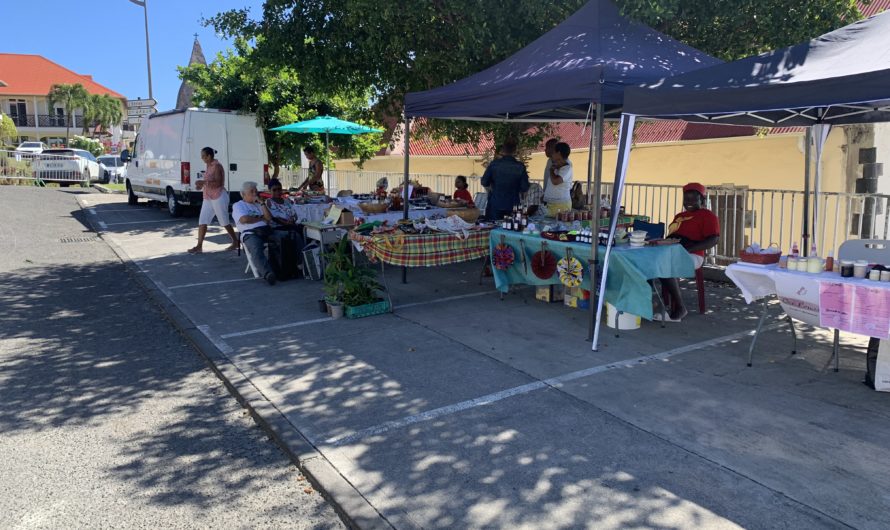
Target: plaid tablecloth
427	250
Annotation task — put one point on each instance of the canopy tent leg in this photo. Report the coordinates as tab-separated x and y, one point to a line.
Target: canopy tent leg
407	179
597	132
805	236
820	135
624	145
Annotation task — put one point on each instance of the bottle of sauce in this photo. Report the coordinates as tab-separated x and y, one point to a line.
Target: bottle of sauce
829	262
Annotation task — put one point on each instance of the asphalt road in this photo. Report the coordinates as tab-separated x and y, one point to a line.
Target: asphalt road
108	418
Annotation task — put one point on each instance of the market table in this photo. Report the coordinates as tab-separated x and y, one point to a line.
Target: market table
627	286
825	300
421	250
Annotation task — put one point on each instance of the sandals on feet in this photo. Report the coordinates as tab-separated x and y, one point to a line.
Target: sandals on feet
195	250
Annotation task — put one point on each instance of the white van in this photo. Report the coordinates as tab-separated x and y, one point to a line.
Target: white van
167	156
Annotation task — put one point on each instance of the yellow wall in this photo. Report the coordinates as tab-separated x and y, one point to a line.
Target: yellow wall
771	162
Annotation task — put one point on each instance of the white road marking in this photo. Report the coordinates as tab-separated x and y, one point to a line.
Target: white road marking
447	299
217	341
186	285
276	328
144	222
554	382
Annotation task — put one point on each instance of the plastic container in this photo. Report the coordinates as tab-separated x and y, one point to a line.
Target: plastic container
814	265
792	263
626	321
846	269
885	276
860	269
874	275
367	310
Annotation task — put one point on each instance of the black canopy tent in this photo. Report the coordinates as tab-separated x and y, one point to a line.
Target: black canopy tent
842	77
575	72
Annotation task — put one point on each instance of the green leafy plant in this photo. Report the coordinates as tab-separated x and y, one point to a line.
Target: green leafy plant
87	144
347	283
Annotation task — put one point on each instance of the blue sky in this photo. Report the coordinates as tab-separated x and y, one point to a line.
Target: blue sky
106	38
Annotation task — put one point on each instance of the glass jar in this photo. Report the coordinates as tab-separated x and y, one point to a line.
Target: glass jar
846	269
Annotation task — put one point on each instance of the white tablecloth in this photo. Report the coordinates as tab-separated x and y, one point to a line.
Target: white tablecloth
862	309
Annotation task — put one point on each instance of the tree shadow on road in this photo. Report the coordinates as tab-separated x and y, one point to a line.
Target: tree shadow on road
81	347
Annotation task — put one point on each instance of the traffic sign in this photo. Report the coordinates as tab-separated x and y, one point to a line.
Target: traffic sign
141	111
140	103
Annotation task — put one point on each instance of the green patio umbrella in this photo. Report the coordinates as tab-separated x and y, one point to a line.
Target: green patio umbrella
327	125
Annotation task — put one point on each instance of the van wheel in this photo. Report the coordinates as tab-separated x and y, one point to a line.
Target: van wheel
132	199
172	206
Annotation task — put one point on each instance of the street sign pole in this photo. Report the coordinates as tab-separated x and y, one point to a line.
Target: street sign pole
144	5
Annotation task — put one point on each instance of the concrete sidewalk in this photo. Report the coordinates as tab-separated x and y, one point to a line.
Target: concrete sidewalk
462	410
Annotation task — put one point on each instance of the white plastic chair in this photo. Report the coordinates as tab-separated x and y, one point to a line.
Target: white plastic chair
870	250
875	251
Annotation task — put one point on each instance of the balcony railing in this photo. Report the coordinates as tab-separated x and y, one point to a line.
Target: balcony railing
46	120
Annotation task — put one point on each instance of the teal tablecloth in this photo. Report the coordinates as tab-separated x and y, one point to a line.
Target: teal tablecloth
626	287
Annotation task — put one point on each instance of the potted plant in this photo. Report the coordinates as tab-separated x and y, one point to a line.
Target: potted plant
351	286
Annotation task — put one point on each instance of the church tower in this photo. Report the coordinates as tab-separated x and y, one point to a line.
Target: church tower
184	99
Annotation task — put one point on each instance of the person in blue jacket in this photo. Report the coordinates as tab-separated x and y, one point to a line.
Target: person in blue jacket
506	180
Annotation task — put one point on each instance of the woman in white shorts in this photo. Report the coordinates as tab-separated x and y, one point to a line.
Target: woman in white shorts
215	202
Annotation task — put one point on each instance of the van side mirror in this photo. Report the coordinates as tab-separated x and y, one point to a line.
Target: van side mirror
125	155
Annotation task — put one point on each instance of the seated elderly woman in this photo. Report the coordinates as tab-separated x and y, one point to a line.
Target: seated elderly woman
253	221
698	230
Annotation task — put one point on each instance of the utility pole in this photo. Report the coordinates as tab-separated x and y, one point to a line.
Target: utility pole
144	6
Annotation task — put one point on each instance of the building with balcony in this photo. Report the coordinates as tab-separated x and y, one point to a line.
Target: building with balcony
25	81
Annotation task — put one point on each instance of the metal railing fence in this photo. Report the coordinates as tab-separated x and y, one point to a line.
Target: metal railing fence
26	168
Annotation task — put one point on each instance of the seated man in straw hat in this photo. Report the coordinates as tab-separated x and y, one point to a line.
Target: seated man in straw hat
698	230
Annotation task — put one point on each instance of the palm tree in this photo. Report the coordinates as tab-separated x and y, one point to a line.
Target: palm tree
103	111
72	97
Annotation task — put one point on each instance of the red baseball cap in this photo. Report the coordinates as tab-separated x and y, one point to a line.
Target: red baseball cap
695	186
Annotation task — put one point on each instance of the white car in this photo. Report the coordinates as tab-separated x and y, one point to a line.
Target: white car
112	169
28	149
66	166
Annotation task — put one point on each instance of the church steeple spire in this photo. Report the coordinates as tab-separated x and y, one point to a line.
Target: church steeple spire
184	99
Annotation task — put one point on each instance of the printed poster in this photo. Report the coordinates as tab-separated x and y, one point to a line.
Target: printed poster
799	295
836	305
872	306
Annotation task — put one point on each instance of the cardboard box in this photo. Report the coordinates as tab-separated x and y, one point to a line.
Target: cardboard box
344	216
576	302
550	293
578	292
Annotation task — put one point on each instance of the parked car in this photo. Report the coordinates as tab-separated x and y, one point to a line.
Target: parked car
29	149
66	166
166	160
112	168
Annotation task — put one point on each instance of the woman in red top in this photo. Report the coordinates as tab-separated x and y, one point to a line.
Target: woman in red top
215	202
462	193
698	230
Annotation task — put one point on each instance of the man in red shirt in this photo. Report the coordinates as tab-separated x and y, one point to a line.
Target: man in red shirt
698	230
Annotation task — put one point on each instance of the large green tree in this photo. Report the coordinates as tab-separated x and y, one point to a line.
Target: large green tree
392	48
9	134
72	96
240	79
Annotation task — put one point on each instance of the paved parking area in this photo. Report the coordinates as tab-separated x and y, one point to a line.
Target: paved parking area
464	410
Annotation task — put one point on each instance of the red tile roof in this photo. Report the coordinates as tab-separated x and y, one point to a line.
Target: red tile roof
578	137
875	7
33	75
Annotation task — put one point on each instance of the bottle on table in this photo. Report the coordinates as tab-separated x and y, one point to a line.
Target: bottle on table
795	252
829	262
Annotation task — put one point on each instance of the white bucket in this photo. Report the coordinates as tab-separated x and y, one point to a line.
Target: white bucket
626	321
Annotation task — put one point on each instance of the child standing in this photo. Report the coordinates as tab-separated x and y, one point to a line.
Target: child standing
461	192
